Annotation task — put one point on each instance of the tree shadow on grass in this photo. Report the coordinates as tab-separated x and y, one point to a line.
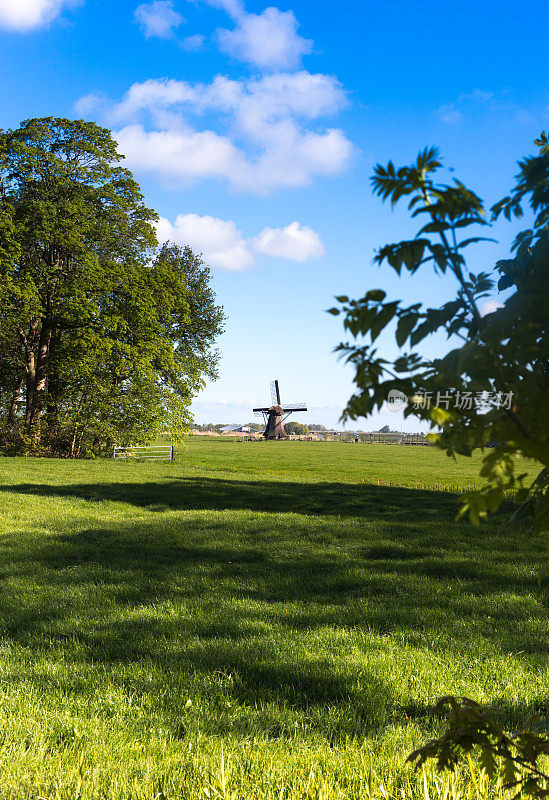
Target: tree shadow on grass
192	596
200	494
396	573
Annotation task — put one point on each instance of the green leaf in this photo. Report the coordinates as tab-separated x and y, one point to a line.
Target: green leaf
382	319
377	295
404	327
440	255
474	240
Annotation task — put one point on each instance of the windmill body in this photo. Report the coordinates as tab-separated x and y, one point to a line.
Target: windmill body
275	414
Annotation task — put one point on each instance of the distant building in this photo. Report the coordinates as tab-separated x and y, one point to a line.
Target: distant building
238	430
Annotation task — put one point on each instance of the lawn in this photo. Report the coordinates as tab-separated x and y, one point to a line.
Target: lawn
256	620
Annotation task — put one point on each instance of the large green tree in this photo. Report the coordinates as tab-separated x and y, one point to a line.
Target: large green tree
492	385
104	336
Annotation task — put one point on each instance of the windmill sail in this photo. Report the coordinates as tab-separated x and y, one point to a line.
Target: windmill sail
275	393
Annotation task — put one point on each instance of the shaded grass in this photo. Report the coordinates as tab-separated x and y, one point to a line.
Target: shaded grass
263	611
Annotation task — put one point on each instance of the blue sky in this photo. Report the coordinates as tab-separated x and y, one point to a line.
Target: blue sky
253	131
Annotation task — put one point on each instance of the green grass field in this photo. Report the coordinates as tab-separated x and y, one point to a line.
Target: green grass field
256	620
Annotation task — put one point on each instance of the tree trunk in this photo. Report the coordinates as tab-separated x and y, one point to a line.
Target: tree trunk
73	441
16	396
40	374
80	439
52	408
30	371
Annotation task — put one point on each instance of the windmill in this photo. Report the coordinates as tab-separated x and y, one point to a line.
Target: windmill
275	414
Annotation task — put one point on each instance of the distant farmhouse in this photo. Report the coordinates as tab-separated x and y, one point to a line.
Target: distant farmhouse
227	430
236	429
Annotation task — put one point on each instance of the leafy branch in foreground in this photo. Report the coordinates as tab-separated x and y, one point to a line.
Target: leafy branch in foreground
514	758
491	387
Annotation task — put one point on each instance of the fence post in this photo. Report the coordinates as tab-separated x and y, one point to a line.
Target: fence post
173	453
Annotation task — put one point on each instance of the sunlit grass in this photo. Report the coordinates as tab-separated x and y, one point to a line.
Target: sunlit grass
254	621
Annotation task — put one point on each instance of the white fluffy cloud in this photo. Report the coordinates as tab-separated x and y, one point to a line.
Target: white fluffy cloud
220	241
23	15
267	139
268	40
158	18
153	96
295	241
179	156
182	157
224	247
253	103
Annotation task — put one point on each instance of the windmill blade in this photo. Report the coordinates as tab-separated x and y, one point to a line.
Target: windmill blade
274	399
295	407
258	413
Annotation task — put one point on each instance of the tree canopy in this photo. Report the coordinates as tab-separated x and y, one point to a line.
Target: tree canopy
104	336
298	428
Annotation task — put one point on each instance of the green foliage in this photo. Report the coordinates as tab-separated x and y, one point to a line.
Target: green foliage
297	428
492	386
513	758
255	426
103	336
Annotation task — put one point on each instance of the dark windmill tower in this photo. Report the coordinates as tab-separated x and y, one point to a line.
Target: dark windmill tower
275	414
